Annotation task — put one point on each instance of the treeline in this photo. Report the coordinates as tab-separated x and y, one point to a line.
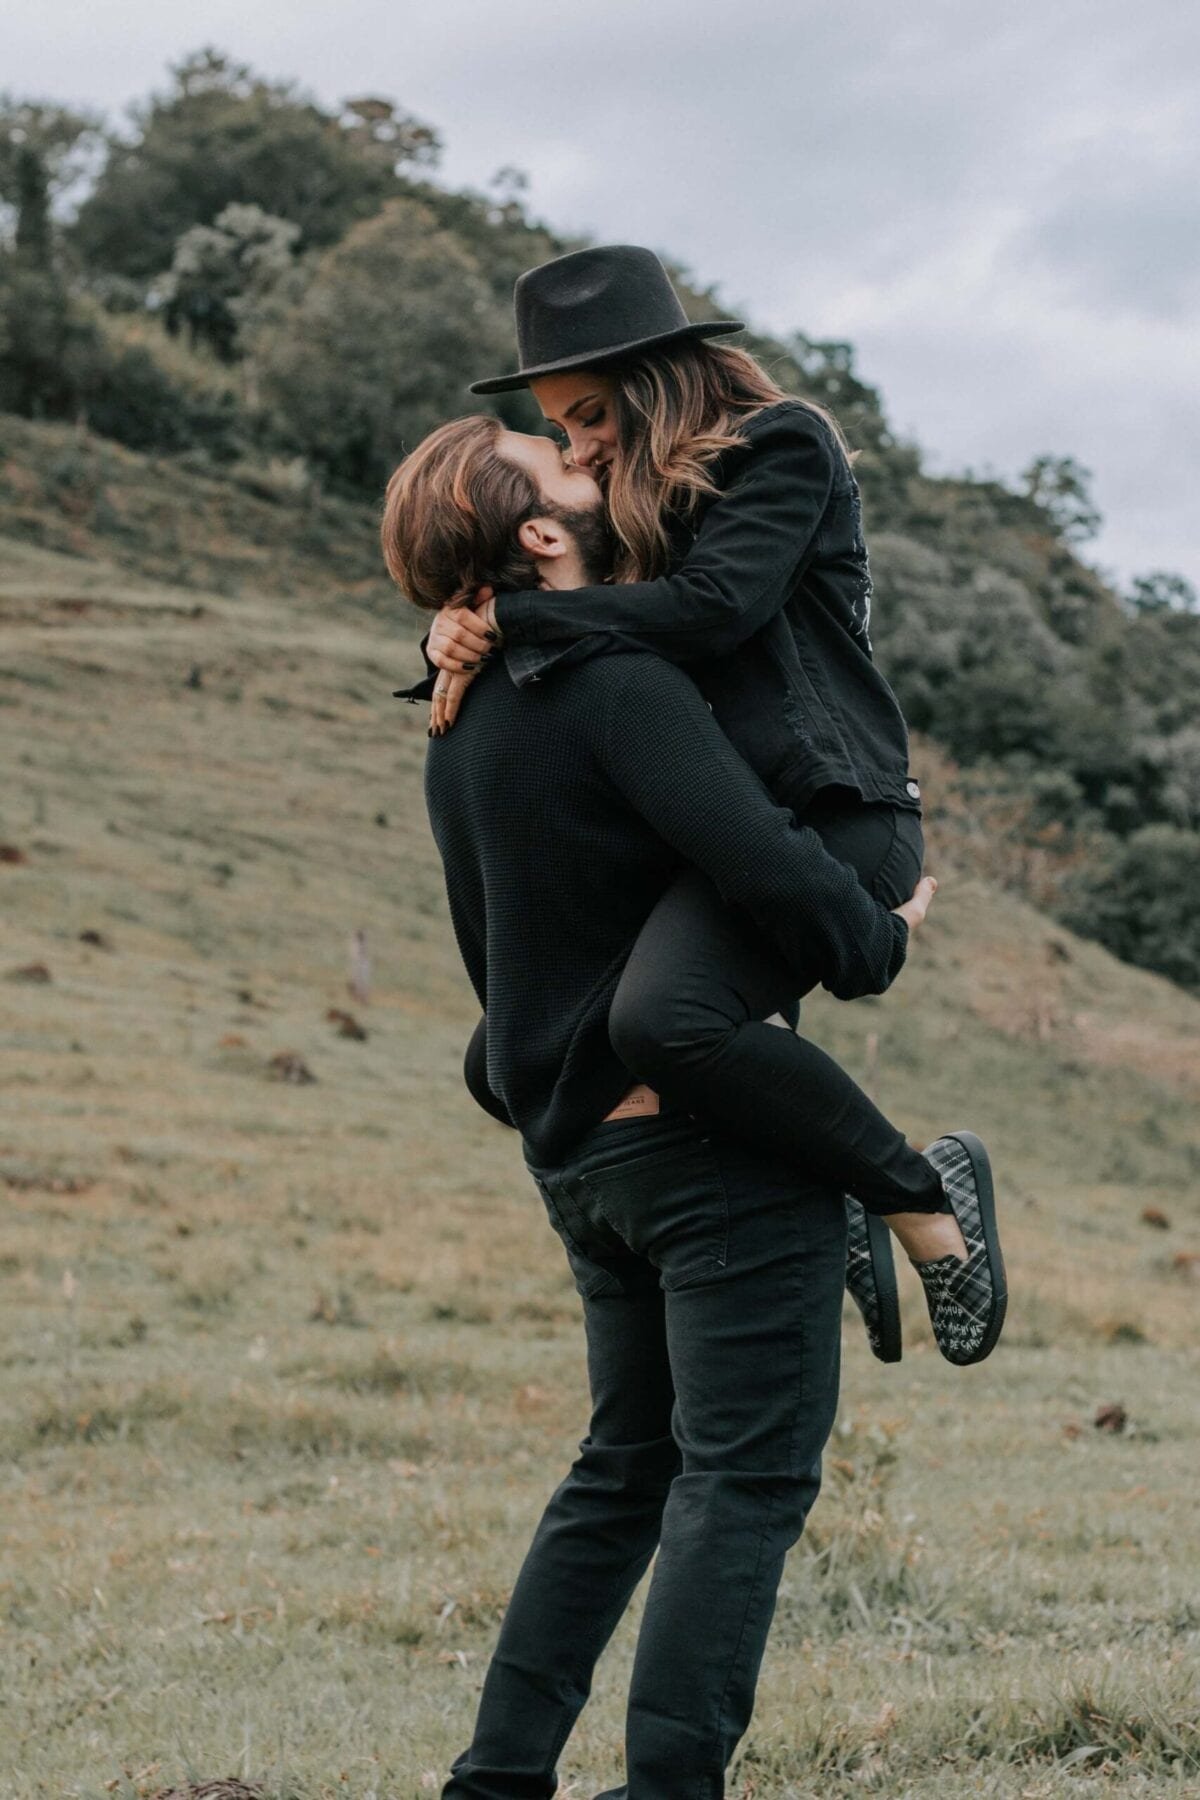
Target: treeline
243	275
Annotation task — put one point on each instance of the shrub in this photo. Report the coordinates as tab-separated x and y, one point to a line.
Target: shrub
1141	905
124	392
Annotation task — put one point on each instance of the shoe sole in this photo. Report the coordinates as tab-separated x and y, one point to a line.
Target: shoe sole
883	1274
981	1168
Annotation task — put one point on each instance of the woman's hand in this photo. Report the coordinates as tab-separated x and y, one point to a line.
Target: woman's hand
914	910
447	698
461	636
460	641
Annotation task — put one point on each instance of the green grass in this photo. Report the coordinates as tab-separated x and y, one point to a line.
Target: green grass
287	1372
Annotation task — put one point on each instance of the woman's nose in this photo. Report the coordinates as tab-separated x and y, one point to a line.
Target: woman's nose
585	454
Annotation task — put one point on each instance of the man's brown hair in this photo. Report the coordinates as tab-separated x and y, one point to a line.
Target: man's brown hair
452	513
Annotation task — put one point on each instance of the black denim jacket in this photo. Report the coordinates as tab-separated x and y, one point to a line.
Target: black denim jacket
768	609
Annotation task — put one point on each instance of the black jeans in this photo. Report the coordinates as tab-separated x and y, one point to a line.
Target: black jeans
711	1279
688	1017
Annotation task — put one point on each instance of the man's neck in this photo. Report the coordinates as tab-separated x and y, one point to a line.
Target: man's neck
563	572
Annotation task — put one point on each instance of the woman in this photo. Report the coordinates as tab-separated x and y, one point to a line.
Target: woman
742	558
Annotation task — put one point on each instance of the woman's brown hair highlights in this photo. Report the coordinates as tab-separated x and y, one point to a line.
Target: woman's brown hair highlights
676	410
451	516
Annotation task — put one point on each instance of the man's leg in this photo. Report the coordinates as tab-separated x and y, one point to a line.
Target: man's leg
594	1542
754	1343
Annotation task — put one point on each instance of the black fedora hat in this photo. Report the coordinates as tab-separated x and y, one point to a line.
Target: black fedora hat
595	306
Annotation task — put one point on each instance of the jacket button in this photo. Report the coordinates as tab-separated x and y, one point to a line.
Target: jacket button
913	789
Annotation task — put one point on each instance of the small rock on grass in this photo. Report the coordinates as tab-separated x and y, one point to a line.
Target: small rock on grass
289	1065
34	973
24	1179
347	1025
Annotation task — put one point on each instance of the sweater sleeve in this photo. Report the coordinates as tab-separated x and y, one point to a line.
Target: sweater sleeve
475	1076
739	572
667	756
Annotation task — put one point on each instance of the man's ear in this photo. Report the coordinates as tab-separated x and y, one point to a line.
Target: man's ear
542	538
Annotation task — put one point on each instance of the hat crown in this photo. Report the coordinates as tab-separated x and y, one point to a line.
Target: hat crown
592	299
594	307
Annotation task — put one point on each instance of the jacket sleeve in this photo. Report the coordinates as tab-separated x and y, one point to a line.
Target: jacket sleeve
423	689
740	570
667	756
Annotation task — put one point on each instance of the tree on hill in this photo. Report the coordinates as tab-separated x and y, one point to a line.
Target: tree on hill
1161	591
222	134
1061	487
395	323
42	151
221	273
495	228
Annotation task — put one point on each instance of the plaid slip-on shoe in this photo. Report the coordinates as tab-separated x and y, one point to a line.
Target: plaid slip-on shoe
871	1279
966	1300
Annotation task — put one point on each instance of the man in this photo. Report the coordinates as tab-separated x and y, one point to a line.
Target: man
711	1276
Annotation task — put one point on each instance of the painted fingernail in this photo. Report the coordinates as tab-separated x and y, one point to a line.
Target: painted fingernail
494	635
473	665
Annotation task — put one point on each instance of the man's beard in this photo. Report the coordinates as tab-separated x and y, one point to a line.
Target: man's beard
594	537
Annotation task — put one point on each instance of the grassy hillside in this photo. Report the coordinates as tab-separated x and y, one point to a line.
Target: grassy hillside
288	1367
175	519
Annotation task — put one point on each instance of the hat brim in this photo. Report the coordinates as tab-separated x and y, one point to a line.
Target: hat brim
593	359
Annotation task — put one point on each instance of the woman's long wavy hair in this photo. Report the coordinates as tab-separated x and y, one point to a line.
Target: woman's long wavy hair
676	410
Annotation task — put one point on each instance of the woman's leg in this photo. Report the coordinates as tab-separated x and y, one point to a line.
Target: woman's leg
689	1018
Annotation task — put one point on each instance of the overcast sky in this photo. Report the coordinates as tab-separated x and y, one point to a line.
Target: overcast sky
995	203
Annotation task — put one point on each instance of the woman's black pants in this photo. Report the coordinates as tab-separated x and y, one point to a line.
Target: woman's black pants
689	1019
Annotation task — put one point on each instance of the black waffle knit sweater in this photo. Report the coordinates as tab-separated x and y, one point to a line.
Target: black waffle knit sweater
562	811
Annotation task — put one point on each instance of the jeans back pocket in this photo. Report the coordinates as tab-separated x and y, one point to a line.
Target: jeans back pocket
669	1206
592	1278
